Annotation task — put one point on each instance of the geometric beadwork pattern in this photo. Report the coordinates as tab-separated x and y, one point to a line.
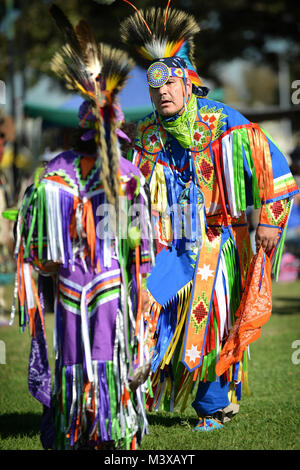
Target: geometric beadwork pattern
205	169
206	269
153	138
146	166
275	212
81	178
202	136
213	237
150	135
199	312
68	180
214	118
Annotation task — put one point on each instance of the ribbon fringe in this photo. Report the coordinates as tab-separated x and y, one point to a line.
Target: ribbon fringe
172	383
245	147
103	410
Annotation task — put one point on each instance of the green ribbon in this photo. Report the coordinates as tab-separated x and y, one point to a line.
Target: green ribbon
249	156
22	312
115	428
238	168
64	395
212	355
279	251
204	367
24	208
234	287
41	193
32	226
10	214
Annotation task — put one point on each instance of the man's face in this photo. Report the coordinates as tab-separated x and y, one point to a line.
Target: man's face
169	98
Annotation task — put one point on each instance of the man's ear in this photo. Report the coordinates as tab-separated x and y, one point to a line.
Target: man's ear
189	85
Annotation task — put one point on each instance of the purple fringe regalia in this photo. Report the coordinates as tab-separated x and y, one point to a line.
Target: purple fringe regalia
98	328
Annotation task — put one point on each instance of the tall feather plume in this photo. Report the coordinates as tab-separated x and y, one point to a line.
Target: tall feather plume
71	68
79	64
66	28
98	72
115	72
90	48
116	69
172	33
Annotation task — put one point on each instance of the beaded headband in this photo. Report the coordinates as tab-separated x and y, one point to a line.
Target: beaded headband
159	73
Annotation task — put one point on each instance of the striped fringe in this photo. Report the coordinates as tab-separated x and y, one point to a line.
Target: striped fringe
88	414
51	217
27	294
171	382
171	321
245	146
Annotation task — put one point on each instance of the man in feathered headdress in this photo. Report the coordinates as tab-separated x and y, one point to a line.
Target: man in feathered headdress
205	164
63	228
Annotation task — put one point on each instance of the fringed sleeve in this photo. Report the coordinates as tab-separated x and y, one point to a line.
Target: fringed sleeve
276	214
44	238
29	250
253	169
255	173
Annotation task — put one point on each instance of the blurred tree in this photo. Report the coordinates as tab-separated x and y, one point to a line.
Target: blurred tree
230	29
261	85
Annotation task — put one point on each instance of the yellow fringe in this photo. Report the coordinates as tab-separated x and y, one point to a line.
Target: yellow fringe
158	190
182	312
186	389
232	396
246	384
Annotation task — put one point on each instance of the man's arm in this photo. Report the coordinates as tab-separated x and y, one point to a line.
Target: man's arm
272	221
266	237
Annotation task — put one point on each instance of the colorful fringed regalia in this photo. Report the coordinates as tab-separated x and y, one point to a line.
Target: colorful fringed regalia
205	167
88	215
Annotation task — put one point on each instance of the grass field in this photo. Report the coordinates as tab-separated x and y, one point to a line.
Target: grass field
269	418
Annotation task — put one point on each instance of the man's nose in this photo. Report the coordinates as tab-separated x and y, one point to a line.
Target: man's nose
162	90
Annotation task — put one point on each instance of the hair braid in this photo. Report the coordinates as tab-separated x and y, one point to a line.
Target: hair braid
103	155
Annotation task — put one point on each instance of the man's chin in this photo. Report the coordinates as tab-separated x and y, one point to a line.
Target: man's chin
166	112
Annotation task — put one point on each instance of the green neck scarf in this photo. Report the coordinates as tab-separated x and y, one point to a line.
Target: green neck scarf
182	127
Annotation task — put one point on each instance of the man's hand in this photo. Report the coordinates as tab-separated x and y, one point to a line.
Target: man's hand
266	237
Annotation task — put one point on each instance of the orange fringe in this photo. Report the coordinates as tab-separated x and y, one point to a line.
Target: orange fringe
262	161
254	311
89	228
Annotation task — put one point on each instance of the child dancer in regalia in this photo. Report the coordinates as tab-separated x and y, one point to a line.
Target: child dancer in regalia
86	222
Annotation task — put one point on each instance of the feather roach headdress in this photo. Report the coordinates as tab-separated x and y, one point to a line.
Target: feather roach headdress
97	72
164	40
